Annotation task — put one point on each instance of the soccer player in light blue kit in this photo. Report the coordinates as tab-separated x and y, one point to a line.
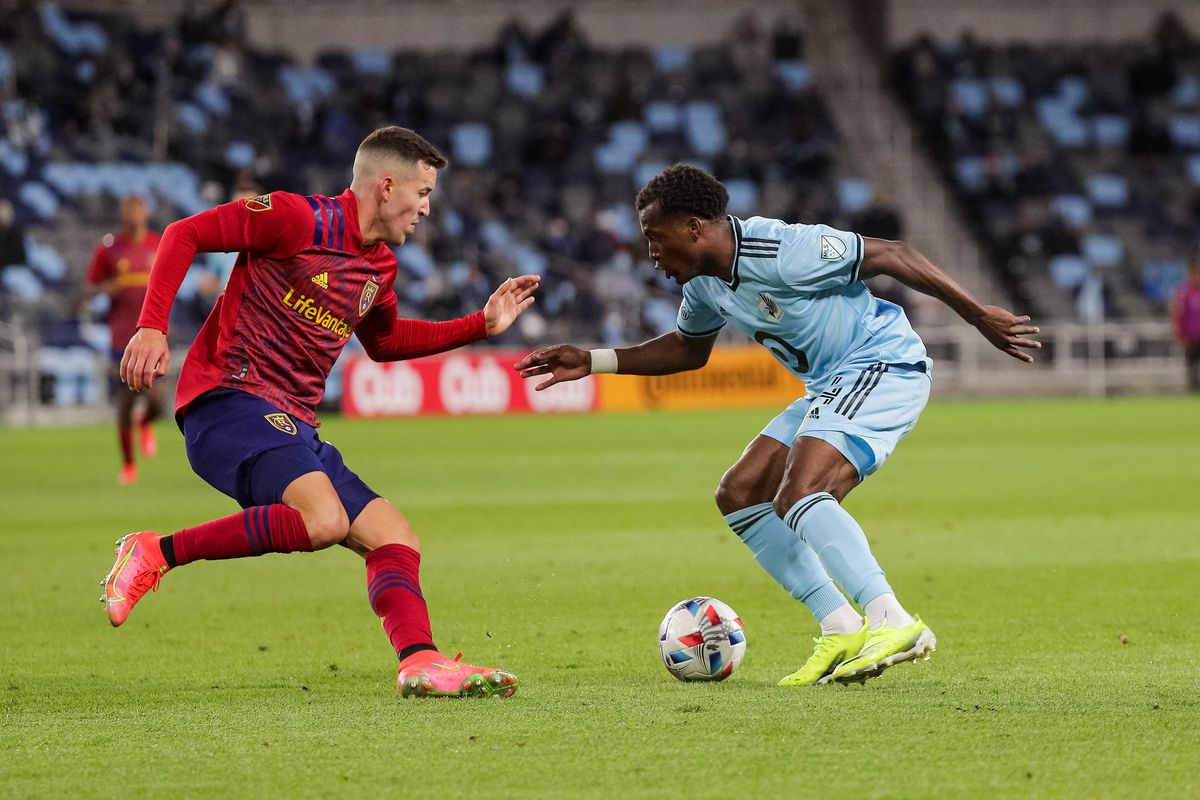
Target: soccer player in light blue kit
798	290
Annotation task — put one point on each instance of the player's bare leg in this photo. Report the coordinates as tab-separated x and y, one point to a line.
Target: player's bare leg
744	496
818	476
383	536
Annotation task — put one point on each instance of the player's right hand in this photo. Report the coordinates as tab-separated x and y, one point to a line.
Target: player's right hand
562	362
146	358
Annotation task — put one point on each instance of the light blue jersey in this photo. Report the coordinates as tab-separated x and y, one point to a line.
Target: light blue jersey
796	291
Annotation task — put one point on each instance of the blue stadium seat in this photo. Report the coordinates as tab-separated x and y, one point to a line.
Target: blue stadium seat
671	57
1186	93
1192	166
471	143
1185	130
743	196
854	195
969	170
1108	191
1110	130
524	79
38	198
1008	92
44	259
795	75
14	161
1103	250
372	61
971	96
704	128
1068	272
1160	278
239	155
1074	209
662	116
21	281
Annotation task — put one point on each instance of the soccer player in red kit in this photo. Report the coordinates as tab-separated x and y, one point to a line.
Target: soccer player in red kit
120	268
311	271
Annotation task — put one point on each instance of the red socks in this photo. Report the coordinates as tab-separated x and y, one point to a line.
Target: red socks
126	435
257	530
394	589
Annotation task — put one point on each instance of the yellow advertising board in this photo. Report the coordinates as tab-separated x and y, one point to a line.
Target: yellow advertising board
735	377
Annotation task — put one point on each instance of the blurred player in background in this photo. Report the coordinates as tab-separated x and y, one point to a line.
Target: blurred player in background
311	271
120	268
1185	311
798	291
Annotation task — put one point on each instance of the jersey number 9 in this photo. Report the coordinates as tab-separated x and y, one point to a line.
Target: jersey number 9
789	356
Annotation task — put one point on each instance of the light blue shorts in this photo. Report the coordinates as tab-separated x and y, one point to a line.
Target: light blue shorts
864	412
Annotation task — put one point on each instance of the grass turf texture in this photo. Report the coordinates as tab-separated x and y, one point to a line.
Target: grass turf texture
1053	546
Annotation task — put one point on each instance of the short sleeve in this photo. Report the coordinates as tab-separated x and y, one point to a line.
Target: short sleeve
816	257
696	317
101	267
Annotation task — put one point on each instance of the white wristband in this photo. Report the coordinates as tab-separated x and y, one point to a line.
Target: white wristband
604	361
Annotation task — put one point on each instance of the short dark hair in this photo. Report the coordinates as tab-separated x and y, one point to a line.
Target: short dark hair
684	189
404	144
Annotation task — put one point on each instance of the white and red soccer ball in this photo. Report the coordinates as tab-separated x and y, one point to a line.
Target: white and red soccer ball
701	639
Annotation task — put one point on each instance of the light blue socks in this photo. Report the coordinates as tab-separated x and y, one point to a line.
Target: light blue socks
841	545
788	560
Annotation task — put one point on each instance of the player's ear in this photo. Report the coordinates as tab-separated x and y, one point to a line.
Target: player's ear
695	227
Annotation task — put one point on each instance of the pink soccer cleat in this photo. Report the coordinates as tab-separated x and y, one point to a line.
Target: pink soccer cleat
138	569
128	475
428	673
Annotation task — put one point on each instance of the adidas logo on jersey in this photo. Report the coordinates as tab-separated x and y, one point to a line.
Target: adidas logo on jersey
321	280
815	413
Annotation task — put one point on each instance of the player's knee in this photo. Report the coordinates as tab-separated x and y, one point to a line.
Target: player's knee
735	492
327	525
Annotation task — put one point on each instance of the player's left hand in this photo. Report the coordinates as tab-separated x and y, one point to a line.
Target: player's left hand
506	303
1007	332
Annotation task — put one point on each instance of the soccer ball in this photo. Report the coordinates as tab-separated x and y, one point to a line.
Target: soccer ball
701	639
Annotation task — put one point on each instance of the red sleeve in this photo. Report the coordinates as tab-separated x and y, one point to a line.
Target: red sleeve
101	268
386	337
274	225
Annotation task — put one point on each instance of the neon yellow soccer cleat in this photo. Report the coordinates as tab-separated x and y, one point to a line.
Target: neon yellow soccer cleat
830	653
885	648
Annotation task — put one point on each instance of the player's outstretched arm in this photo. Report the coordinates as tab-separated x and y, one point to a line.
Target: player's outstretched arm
672	352
507	302
1001	327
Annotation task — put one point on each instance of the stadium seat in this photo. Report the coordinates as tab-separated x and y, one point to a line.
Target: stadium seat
1074	209
1103	250
1069	272
1160	278
22	282
854	195
704	128
1108	191
471	143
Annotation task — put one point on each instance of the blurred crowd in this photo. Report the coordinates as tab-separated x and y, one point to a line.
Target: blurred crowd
549	139
1078	165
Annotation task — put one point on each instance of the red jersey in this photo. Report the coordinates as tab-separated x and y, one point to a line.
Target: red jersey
1187	312
127	263
303	282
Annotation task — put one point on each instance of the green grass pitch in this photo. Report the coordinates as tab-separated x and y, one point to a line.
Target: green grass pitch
1053	545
